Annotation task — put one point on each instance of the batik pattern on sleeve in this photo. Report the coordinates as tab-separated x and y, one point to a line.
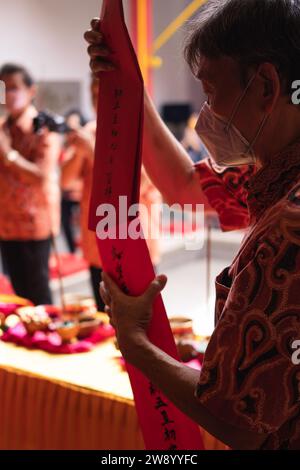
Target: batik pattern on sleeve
226	191
248	377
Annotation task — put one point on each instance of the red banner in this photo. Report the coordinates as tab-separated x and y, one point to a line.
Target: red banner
117	173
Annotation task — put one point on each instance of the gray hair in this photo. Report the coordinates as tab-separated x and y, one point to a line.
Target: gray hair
251	32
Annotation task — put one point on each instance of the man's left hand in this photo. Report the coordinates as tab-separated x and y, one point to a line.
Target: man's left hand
130	316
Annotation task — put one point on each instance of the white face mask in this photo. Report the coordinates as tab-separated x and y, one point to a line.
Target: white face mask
225	143
16	100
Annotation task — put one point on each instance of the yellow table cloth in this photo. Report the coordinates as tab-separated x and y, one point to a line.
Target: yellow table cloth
68	402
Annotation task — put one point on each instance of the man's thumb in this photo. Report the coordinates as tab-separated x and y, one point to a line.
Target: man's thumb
156	287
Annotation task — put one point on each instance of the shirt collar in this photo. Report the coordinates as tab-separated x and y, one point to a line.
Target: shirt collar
274	181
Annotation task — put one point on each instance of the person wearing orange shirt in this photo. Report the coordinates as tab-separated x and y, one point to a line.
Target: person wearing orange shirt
30	195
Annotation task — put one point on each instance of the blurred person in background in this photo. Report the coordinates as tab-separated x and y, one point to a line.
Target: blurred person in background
78	166
75	119
30	195
81	145
71	197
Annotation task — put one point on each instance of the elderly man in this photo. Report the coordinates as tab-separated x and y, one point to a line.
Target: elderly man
246	54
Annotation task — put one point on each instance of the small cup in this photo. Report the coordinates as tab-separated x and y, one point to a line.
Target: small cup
182	327
76	304
88	326
68	331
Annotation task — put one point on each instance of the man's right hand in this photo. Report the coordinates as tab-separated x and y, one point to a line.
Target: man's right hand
98	50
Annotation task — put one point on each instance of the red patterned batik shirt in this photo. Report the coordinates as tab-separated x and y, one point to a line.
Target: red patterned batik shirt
249	378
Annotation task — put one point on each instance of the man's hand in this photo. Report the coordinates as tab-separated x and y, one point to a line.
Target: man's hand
98	50
130	316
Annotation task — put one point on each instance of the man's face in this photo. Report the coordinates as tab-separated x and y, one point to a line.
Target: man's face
73	122
221	80
18	95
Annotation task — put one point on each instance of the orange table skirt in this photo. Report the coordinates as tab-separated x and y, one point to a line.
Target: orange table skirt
42	413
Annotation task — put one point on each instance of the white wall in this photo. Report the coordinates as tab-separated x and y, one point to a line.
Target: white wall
46	36
174	81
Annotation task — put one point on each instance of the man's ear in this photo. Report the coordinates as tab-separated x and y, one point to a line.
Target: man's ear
271	85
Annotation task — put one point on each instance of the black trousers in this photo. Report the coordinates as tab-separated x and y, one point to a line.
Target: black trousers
95	280
26	263
67	211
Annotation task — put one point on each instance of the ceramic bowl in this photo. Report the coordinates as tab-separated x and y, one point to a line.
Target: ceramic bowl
68	331
87	326
182	327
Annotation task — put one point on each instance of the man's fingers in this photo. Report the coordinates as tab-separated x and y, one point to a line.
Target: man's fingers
104	294
100	65
107	310
111	321
95	24
111	287
98	51
155	288
93	37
